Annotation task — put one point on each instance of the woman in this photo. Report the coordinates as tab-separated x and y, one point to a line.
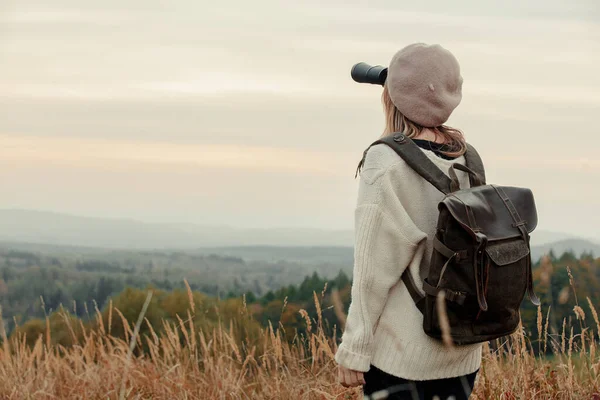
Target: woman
384	346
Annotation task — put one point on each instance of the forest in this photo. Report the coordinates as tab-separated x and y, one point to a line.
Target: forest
35	281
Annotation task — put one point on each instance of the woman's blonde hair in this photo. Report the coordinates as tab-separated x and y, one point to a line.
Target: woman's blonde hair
395	121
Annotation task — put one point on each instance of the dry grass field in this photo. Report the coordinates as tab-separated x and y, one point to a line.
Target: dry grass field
183	363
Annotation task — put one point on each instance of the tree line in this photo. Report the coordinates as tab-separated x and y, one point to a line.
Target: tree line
112	301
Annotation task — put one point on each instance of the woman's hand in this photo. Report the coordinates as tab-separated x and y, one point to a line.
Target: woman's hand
350	378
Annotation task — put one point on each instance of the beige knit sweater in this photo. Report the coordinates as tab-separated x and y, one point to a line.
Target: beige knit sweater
395	219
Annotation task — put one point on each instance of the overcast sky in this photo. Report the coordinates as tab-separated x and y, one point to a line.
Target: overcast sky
243	112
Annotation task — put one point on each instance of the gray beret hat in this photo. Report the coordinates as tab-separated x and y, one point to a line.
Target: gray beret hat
424	83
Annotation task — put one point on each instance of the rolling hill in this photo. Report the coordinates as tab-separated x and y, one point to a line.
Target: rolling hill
52	231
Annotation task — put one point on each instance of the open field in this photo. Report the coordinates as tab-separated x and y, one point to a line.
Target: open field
232	362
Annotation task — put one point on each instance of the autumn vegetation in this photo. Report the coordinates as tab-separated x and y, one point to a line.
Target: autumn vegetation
183	344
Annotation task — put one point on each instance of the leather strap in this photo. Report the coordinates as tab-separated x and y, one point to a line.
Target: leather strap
442	248
530	292
478	266
447	252
416	159
456	297
514	213
473	161
421	164
475	178
418	299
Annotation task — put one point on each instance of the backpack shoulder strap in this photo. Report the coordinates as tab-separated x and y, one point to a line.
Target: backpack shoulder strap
418	298
416	159
473	161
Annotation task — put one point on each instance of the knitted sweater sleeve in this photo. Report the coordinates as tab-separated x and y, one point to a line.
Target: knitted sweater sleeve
385	242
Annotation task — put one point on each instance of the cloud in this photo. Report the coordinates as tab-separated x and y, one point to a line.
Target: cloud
221	83
571	95
46	17
95	152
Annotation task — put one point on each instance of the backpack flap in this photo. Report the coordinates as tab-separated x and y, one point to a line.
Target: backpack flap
482	209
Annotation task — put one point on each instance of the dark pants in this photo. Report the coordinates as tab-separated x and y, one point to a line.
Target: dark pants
400	389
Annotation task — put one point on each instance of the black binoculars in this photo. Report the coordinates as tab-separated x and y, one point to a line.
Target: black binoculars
365	73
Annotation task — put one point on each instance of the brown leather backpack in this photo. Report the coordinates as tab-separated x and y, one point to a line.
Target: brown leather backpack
481	258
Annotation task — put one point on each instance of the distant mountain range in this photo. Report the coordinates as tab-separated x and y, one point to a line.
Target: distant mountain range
53	229
67	230
577	246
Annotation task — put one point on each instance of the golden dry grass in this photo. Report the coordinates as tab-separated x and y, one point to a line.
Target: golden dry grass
185	364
